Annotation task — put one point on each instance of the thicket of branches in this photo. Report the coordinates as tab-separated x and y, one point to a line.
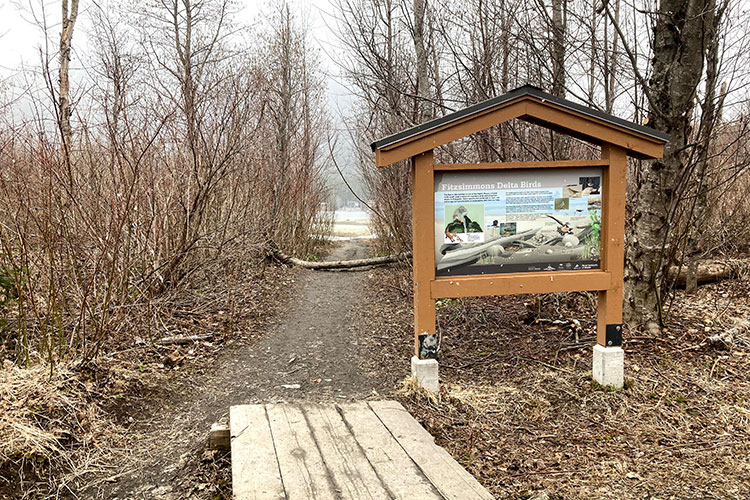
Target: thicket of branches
411	60
178	155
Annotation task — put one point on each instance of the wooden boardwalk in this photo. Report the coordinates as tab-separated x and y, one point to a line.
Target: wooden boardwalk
345	451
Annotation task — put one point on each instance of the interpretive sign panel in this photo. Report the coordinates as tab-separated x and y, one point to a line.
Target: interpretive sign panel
517	220
520	227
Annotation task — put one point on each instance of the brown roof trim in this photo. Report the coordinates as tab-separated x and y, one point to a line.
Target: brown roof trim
526	90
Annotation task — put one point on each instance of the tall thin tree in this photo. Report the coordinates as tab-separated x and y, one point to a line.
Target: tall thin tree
69	17
678	50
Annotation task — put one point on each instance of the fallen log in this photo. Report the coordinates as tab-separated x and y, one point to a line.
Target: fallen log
341	264
710	271
184	340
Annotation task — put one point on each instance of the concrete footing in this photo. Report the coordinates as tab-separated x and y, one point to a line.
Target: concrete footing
609	364
425	371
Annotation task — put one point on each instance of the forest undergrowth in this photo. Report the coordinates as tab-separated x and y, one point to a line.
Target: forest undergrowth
62	428
519	410
137	209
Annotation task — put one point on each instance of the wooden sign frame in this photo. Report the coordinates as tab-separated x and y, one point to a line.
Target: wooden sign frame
607	281
617	138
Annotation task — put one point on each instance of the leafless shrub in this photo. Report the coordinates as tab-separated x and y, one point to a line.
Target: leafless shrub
187	157
606	55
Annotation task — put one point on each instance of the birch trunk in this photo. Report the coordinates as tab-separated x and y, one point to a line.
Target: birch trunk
677	68
69	16
424	103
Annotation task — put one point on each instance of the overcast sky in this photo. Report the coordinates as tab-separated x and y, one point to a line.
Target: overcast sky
21	37
21	40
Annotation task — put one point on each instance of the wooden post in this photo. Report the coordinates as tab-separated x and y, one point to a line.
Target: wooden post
609	311
423	243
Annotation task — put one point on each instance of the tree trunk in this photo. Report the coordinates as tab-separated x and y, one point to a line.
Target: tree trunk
711	112
677	68
558	48
610	63
69	16
691	276
560	143
342	264
424	103
594	58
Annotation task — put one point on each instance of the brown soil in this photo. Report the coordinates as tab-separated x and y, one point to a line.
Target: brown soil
517	406
519	410
75	425
314	346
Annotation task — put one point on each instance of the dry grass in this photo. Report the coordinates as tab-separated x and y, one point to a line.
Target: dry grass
519	410
51	423
69	429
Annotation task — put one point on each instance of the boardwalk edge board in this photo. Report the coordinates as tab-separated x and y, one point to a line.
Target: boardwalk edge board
341	451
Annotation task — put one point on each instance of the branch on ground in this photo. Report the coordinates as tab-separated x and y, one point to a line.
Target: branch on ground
711	271
340	264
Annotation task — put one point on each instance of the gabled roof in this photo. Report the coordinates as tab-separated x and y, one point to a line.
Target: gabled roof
531	104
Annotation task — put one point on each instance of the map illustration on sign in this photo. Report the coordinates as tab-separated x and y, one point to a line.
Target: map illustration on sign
509	221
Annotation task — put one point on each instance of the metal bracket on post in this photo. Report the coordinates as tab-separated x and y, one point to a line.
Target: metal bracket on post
613	336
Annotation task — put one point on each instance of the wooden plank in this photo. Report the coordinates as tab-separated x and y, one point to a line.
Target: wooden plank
449	132
590	129
255	470
447	475
349	469
399	473
302	469
219	438
609	308
423	244
517	283
520	164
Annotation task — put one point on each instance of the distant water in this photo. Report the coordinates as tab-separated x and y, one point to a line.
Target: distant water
353	215
351	224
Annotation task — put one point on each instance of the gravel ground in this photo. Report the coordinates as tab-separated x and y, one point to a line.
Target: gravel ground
312	354
519	410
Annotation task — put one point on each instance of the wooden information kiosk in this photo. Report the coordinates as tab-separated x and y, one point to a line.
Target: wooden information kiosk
520	227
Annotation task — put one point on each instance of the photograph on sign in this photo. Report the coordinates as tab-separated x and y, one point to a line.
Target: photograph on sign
524	220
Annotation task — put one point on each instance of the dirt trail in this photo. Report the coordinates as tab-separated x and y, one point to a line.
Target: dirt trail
312	354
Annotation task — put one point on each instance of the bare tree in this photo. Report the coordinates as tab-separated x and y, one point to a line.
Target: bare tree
167	181
377	38
299	124
69	17
560	147
711	105
425	110
679	35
